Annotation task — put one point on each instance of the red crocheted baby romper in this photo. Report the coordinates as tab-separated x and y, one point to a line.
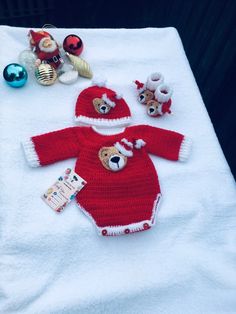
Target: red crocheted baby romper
122	191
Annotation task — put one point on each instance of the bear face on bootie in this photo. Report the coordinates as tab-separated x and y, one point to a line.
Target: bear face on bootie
155	95
145	96
146	91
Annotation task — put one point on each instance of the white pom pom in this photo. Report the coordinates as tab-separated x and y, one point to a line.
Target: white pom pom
100	82
119	96
139	143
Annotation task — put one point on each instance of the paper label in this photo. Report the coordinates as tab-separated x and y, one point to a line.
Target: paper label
63	190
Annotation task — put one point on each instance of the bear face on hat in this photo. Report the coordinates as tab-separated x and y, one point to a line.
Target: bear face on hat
101	106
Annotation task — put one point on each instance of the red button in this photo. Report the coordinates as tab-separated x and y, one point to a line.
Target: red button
127	231
104	232
146	226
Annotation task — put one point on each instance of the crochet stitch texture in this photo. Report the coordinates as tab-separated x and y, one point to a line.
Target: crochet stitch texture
122	192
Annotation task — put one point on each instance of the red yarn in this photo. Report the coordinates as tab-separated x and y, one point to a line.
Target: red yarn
85	108
119	202
139	84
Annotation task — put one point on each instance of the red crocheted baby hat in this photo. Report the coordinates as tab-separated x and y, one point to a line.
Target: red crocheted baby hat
100	106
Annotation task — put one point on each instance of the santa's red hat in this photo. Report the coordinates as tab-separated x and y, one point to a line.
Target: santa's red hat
126	146
86	113
36	37
140	86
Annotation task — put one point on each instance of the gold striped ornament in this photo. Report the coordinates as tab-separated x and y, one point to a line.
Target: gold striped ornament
45	74
80	65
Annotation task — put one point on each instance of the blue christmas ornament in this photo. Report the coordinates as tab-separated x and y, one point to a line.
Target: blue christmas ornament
15	75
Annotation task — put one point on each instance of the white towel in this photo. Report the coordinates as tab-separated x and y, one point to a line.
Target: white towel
56	263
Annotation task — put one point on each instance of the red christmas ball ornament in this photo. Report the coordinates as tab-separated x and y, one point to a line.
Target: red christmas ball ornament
73	44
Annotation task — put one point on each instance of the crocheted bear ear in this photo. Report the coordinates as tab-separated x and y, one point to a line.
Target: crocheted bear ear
154	80
163	93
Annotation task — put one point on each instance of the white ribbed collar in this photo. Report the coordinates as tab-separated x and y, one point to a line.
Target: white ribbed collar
108	131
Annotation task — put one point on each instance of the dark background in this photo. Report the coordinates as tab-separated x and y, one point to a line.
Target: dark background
207	29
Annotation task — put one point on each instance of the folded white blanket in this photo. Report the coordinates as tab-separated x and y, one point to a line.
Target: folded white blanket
54	263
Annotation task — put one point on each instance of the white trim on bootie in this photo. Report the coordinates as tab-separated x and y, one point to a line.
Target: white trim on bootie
163	93
154	80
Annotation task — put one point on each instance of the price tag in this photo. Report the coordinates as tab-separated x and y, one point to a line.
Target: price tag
64	190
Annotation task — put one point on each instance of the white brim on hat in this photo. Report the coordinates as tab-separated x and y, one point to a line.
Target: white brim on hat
103	122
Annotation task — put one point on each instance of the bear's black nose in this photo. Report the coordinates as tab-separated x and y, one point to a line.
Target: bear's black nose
151	110
141	97
103	108
115	159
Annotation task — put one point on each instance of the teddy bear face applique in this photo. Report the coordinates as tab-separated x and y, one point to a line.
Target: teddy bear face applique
115	158
145	96
101	106
112	159
155	94
153	108
104	104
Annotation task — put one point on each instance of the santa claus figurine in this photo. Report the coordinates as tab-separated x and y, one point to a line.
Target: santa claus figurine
46	48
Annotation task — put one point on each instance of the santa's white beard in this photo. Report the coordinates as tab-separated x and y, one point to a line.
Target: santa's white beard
52	48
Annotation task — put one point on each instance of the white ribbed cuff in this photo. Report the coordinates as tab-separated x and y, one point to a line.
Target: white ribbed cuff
185	149
163	93
154	80
103	122
30	153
